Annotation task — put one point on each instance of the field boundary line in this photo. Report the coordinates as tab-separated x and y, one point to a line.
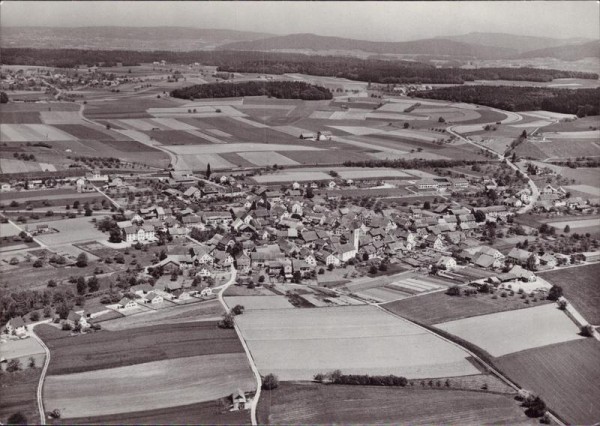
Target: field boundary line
254	405
40	387
487	365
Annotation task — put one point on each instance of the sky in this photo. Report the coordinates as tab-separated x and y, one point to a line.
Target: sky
379	21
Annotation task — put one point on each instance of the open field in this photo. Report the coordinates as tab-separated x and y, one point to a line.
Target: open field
32	133
20	348
18	394
439	307
207	413
310	403
565	375
291	176
16	117
558	149
72	230
259	302
111	349
204	311
236	147
580	287
581	124
148	386
295	344
513	331
267	158
85	131
576	224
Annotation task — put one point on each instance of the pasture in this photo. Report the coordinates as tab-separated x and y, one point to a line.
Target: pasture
71	231
259	302
580	287
565	375
439	307
311	403
148	386
513	331
208	413
111	349
295	344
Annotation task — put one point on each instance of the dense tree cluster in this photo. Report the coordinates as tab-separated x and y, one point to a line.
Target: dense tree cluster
582	102
3	98
373	70
276	89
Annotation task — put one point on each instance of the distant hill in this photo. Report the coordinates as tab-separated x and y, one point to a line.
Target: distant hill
440	47
125	38
566	53
516	42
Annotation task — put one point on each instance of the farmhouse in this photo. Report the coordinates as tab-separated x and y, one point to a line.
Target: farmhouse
126	303
16	326
75	319
238	399
153	298
138	233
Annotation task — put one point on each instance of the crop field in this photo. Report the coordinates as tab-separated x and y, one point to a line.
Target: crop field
20	348
576	224
513	331
580	287
331	156
208	413
71	231
310	403
81	131
580	124
439	307
259	302
9	165
153	385
18	394
291	177
295	344
111	349
565	375
177	137
32	133
16	117
267	158
200	161
588	189
133	107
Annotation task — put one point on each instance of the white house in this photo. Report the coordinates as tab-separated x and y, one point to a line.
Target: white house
126	303
16	326
153	298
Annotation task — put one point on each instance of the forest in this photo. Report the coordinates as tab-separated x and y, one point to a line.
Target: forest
582	102
275	89
370	70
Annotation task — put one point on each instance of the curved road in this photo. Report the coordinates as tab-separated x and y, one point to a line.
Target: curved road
40	387
254	405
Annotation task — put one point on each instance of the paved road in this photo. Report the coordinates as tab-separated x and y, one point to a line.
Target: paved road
535	193
40	387
223	288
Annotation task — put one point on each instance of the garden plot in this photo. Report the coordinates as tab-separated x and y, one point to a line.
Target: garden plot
259	302
237	147
295	344
33	133
507	332
267	158
61	117
152	385
71	231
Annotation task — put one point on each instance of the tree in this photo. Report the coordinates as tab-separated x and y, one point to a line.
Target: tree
555	292
82	260
319	378
270	382
238	310
17	418
479	216
309	193
38	263
31	363
93	284
81	285
567	229
14	365
427	205
535	407
335	376
4	100
406	125
531	262
227	321
587	330
453	291
35	316
208	173
441	120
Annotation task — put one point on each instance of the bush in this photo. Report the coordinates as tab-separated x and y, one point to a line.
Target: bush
38	263
227	321
66	326
17	418
319	378
270	382
238	310
555	292
453	291
587	330
13	366
35	316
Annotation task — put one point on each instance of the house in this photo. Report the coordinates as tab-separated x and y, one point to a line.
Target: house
485	260
446	262
75	319
523	274
16	326
206	292
427	184
138	233
238	399
520	256
153	298
591	256
126	303
548	260
5	187
302	267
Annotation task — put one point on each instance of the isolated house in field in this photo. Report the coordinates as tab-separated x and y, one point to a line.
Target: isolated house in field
308	136
238	399
16	326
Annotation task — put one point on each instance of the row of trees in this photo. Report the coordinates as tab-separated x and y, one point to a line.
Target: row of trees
276	89
411	164
582	102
